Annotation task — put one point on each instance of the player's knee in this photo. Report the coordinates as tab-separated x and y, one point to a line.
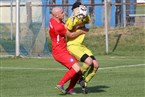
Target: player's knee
76	67
89	61
96	64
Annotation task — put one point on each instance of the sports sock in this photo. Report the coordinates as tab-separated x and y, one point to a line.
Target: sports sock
85	68
68	75
73	81
91	74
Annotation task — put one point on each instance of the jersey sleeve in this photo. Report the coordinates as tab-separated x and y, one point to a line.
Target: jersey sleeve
87	19
59	28
69	24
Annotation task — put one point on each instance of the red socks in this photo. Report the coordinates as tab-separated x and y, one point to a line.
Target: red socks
73	81
68	75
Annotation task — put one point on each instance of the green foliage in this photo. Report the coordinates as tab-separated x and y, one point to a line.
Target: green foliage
140	9
7	45
128	41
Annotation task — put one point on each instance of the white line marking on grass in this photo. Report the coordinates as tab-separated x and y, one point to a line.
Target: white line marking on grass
124	66
61	69
23	68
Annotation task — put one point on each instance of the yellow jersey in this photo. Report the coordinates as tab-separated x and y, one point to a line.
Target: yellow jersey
71	25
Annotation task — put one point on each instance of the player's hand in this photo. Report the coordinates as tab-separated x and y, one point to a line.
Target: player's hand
85	29
76	27
82	31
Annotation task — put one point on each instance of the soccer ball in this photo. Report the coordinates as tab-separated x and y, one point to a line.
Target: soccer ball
80	12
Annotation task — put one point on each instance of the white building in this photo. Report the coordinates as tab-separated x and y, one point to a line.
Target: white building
140	1
7	12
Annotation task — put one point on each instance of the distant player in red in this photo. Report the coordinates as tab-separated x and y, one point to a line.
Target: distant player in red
58	34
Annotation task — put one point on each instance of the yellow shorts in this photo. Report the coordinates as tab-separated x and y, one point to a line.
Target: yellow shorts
78	51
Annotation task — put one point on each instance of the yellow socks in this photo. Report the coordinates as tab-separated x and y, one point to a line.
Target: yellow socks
85	68
91	74
88	72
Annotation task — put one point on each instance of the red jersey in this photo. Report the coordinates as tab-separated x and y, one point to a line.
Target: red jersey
60	53
57	33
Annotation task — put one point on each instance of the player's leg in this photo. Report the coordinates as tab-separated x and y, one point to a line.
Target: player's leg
85	69
88	72
78	51
68	76
71	63
73	81
87	60
92	71
88	63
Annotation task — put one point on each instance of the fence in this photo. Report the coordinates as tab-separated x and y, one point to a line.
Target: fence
34	17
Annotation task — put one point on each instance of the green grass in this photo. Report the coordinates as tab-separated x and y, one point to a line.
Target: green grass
35	77
127	41
140	9
27	77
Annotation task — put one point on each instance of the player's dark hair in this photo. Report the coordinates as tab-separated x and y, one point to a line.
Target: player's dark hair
76	4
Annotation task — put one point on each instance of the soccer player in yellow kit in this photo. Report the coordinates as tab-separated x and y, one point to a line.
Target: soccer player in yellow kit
75	45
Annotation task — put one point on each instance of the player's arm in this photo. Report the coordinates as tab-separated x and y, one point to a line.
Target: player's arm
85	29
74	34
87	19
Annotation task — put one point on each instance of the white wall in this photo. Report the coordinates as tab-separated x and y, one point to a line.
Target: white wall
140	1
5	13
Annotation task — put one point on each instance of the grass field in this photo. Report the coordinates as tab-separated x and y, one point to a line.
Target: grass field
140	9
121	72
118	76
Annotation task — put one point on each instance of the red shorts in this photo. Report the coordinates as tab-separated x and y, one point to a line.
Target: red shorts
66	59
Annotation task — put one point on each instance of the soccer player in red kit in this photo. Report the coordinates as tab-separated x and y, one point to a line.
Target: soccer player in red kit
58	34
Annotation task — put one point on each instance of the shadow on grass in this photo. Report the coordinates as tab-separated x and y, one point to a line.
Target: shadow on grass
117	42
93	89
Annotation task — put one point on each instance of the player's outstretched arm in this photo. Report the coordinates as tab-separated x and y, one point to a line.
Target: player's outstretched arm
85	29
75	34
